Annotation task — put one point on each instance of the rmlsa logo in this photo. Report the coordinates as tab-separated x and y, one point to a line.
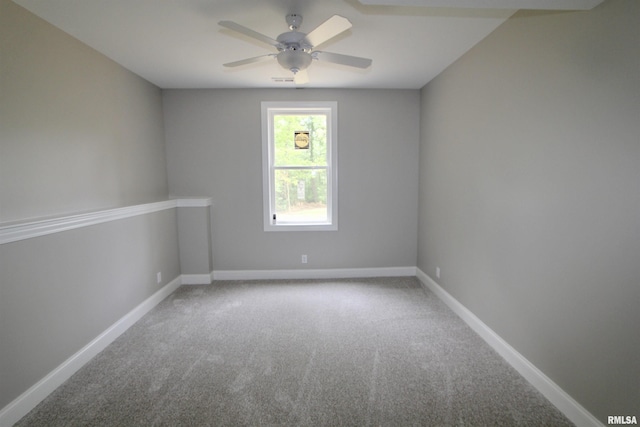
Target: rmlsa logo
621	419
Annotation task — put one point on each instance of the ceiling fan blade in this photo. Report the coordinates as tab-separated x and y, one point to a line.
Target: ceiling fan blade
248	32
301	77
248	60
336	58
328	30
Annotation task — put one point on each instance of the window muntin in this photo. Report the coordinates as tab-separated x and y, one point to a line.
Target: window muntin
300	179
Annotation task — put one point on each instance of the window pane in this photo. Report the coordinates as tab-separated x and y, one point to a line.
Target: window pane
301	195
299	159
286	127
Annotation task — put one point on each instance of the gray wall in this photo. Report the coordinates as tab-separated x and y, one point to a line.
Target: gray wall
60	291
530	194
77	132
214	149
194	236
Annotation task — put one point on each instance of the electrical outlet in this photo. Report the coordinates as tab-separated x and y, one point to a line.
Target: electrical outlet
304	259
438	272
159	277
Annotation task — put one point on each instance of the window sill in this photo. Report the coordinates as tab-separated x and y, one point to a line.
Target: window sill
301	227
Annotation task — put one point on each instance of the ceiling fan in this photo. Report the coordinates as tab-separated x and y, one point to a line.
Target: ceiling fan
296	49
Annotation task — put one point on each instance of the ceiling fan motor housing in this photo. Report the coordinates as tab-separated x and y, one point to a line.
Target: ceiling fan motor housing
293	40
294	50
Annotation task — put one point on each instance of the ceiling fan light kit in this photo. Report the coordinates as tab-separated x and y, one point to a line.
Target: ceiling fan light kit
294	60
296	49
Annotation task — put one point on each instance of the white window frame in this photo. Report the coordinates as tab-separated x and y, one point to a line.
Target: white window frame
269	109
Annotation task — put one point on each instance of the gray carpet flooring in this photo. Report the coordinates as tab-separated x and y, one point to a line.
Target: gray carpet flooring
357	352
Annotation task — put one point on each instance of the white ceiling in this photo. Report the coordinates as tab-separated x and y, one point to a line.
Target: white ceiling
178	43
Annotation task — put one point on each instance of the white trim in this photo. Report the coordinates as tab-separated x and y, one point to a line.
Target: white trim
330	273
28	400
26	230
197	279
269	109
195	202
558	397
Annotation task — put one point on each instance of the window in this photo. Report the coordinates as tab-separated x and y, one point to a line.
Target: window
299	159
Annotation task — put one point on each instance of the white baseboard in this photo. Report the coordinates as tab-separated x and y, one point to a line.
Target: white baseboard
197	279
330	273
24	403
28	400
558	397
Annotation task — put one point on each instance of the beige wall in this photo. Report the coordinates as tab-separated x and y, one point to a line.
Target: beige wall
214	149
529	194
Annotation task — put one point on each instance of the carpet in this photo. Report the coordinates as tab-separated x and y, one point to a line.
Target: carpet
352	352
